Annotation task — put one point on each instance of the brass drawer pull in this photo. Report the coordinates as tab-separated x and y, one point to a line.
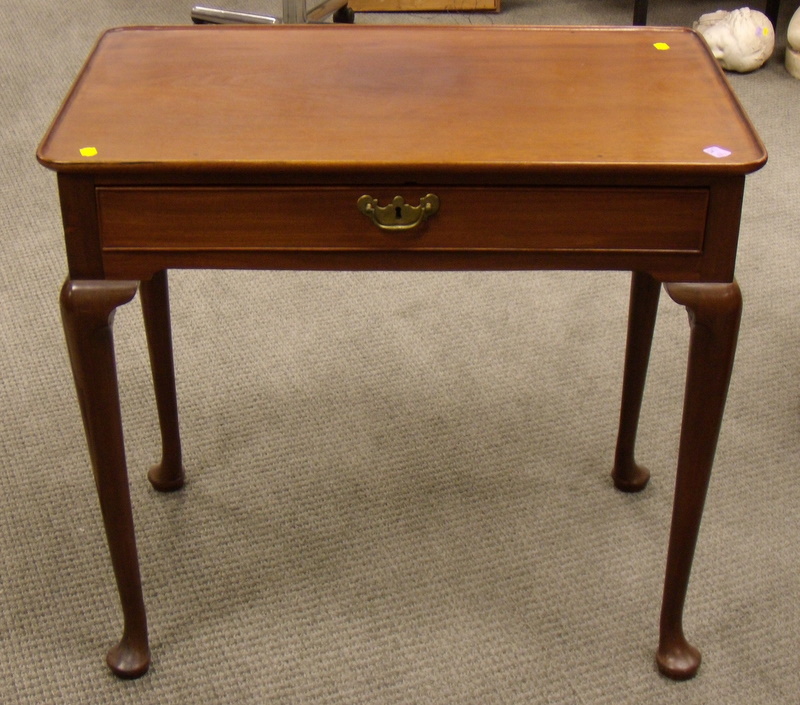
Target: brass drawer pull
398	215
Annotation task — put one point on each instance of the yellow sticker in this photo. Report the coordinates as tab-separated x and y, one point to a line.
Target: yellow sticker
88	152
766	31
661	46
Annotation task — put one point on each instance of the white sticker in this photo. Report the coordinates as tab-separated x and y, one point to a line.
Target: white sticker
718	152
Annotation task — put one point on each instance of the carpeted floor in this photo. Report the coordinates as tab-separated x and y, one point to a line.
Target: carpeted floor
398	484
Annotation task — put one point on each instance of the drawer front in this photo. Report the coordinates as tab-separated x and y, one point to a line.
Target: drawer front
498	219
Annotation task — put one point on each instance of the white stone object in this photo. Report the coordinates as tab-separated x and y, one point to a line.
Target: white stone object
741	40
793	45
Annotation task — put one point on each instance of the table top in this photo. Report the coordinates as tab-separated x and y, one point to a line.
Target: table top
401	100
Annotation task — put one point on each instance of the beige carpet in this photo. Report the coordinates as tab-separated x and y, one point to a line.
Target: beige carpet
398	484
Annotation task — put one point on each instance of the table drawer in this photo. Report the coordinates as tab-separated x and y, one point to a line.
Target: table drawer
532	219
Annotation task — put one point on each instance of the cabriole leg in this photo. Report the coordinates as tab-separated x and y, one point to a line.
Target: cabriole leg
645	291
714	314
168	475
87	310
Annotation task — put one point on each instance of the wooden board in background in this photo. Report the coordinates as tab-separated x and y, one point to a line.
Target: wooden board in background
425	5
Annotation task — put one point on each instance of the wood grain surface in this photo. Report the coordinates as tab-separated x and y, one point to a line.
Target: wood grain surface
321	98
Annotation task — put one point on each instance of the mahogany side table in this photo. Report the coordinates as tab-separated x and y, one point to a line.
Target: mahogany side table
401	148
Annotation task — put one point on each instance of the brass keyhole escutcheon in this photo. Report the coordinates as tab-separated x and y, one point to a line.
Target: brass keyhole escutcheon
398	215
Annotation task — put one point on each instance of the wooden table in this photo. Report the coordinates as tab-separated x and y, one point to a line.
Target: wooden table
401	148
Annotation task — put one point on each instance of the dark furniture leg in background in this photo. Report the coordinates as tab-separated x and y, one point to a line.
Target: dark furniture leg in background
639	13
771	10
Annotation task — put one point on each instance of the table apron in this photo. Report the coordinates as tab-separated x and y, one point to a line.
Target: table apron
541	219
